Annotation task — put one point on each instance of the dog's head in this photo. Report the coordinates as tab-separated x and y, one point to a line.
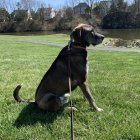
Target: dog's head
86	35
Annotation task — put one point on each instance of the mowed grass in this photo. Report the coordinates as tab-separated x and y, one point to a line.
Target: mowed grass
57	38
53	38
114	80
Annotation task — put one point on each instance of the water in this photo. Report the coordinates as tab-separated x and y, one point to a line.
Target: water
126	34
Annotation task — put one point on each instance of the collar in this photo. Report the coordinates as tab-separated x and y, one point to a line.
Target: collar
78	45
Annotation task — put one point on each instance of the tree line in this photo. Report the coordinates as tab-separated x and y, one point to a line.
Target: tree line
29	15
123	15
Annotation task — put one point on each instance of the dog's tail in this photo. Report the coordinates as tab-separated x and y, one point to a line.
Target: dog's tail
16	95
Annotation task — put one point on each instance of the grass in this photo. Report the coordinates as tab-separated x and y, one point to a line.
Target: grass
59	38
55	38
113	79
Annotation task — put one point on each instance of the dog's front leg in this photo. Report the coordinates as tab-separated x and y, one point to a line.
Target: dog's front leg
88	95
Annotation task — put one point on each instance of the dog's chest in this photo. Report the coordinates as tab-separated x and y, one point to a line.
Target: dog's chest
87	66
80	71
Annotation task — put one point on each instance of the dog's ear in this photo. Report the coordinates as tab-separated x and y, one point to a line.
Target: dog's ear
76	34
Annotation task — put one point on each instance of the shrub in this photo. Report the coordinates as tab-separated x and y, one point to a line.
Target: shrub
117	19
30	25
7	27
137	20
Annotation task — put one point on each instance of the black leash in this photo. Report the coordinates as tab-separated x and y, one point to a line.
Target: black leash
69	81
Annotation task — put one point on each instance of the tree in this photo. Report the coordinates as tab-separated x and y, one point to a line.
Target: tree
3	4
40	14
113	8
90	4
71	3
121	5
19	15
118	19
137	6
68	13
137	21
18	5
11	5
4	15
118	16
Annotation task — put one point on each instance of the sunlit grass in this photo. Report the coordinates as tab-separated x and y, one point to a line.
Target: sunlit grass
59	38
113	79
54	38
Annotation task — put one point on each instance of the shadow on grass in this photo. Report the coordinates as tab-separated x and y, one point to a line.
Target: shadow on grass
31	115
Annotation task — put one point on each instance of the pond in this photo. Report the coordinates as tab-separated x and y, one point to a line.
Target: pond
125	34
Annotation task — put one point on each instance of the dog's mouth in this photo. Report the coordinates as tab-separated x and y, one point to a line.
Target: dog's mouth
94	44
98	42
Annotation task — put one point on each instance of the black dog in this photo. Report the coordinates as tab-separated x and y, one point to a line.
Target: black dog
50	94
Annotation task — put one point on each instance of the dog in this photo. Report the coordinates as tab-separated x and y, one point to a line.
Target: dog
51	93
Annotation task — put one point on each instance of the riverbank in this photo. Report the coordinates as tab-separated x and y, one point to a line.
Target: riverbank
61	40
116	42
125	34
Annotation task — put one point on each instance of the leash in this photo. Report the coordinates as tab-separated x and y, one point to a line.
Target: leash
69	81
70	92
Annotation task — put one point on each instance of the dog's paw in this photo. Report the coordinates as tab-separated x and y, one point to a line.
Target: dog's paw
72	108
99	109
67	95
64	100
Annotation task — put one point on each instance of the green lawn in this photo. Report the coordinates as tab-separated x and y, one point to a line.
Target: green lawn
55	38
114	80
59	38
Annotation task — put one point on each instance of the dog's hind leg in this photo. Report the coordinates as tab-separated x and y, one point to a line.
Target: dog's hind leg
64	99
49	102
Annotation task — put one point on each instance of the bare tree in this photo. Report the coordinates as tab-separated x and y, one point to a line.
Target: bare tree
27	4
71	3
11	5
134	8
90	4
3	4
137	5
32	4
18	5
